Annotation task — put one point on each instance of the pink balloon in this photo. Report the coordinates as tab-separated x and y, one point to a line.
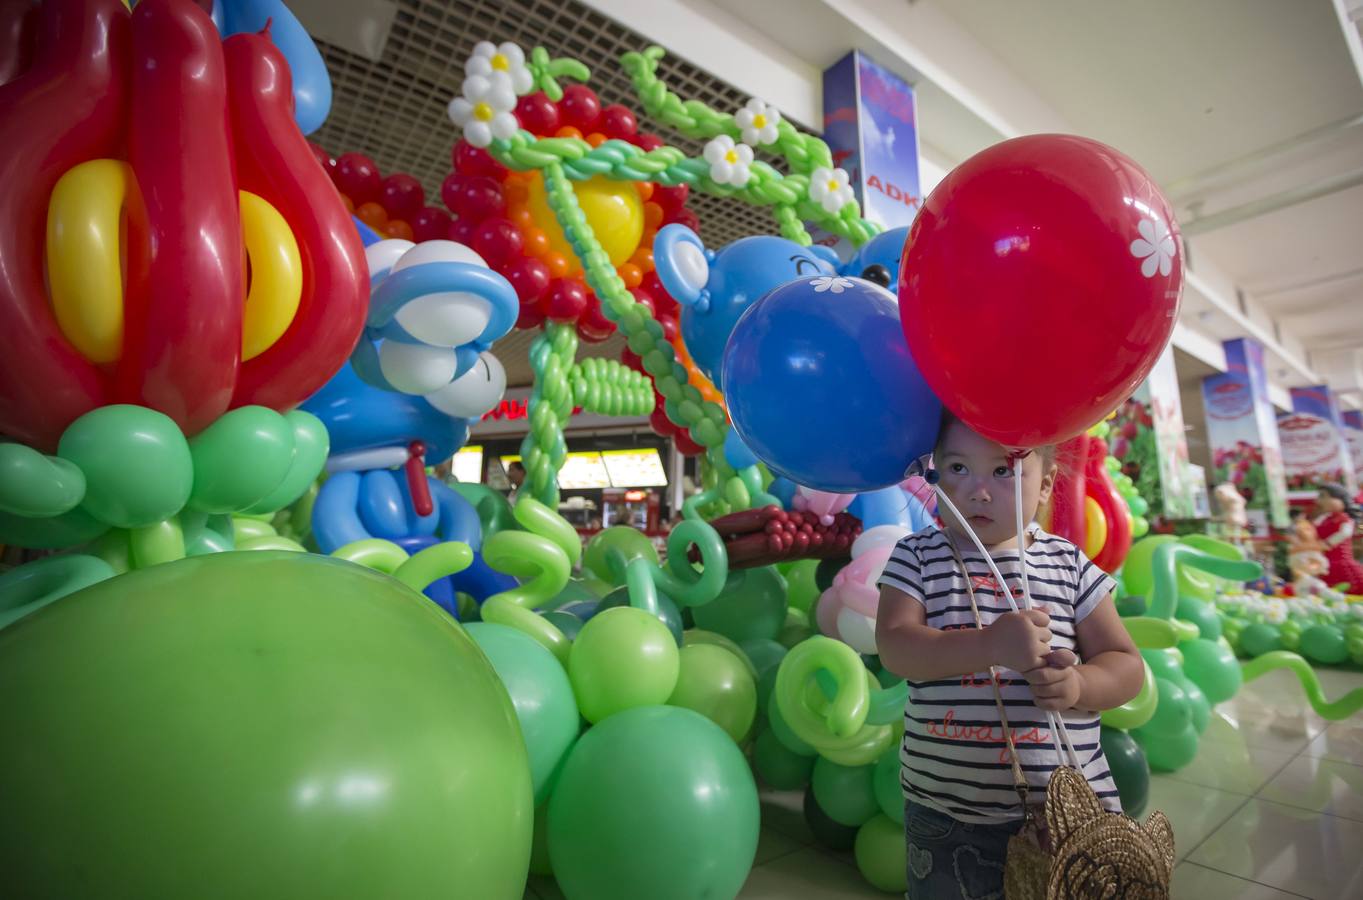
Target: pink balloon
821	503
826	613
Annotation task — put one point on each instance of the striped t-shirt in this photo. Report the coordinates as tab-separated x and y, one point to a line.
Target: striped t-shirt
953	755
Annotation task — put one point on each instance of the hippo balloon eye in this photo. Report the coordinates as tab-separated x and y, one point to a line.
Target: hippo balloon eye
805	266
876	274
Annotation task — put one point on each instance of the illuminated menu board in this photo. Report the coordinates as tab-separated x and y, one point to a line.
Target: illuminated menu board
634	468
582	471
468	465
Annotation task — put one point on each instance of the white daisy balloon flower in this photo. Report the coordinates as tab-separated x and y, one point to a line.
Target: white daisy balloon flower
504	57
730	163
830	188
758	123
485	109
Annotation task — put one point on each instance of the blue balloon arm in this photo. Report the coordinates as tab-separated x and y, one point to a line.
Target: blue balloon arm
335	514
383	508
458	519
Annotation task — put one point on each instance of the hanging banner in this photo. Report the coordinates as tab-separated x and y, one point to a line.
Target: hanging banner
1242	433
1315	450
1149	440
1353	436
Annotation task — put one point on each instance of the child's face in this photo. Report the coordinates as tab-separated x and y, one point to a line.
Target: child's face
1327	502
977	475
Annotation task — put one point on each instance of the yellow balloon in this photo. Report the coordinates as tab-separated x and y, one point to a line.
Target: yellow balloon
1095	528
276	276
613	210
84	263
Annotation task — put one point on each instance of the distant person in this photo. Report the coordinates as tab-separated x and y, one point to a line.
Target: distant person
515	473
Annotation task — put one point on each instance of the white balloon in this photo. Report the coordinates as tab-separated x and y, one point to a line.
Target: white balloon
416	368
383	254
475	392
880	536
364	460
691	264
857	631
438	251
446	319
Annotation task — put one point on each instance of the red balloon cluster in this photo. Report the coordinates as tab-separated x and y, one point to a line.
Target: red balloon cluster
394	207
492	215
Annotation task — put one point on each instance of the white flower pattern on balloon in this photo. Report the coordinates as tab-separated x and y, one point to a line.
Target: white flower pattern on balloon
505	57
830	189
485	109
729	162
758	123
833	284
1155	248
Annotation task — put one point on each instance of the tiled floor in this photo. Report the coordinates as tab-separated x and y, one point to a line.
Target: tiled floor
1271	809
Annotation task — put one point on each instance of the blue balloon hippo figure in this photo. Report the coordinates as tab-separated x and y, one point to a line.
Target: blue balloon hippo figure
878	259
715	287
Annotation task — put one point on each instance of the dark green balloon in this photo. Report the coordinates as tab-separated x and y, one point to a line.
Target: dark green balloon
764	653
831	834
1199	706
137	464
567	623
1200	613
823	575
1174	712
889	791
1131	605
1259	638
846	793
752	605
1168	752
1324	644
1212	666
777	766
1129	768
670	615
494	512
1163	663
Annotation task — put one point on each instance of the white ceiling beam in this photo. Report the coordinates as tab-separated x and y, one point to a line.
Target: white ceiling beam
1272	203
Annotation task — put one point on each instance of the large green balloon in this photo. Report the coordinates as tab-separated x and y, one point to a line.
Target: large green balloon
1199	708
886	782
494	512
540	863
831	834
1212	666
782	732
777	766
137	465
1259	638
240	459
700	636
654	802
1324	643
802	587
320	721
1173	713
540	692
752	605
1202	614
1130	771
879	852
623	657
1139	578
718	685
1164	663
847	794
764	653
671	616
628	543
1168	752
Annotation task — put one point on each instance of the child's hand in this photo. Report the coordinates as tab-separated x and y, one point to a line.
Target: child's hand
1054	689
1020	640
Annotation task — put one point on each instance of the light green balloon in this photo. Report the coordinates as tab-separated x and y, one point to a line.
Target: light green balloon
717	684
320	710
879	852
137	465
655	802
777	766
847	794
622	658
629	543
801	587
240	459
1139	709
311	444
693	636
539	690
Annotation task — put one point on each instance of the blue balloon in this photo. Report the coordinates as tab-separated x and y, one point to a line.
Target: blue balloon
782	489
887	506
736	453
481	581
367	235
311	83
822	388
359	416
335	513
441	590
885	249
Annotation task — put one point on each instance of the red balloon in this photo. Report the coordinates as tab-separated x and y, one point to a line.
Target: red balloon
324	159
580	108
430	224
358	177
593	326
497	242
18	39
473	197
538	114
646	299
618	122
462	232
660	423
663	302
530	277
471	160
566	300
648	141
669	324
685	217
530	315
1067	498
671	199
686	446
1040	281
1098	485
631	360
402	196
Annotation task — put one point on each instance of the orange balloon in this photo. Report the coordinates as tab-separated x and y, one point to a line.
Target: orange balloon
653	215
645	189
631	275
558	264
536	242
349	204
521	217
396	228
596	139
373	215
643	257
568	131
516	191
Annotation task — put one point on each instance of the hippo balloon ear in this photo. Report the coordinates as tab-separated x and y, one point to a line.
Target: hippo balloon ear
827	256
683	265
381	255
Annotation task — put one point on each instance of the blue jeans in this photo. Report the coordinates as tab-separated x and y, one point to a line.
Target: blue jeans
951	860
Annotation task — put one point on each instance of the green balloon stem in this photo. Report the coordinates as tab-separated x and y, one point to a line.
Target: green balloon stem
373	553
1334	711
434	563
1168	557
28	588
